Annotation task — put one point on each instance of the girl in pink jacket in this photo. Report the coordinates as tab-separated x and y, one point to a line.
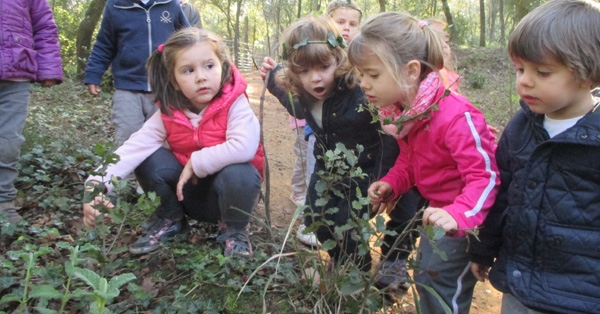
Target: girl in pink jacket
201	153
446	150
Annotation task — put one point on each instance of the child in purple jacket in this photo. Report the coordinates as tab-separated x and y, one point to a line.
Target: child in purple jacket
29	52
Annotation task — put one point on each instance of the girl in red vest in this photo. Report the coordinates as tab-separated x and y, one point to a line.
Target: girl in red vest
201	153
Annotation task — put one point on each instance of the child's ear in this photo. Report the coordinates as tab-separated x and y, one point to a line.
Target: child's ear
413	69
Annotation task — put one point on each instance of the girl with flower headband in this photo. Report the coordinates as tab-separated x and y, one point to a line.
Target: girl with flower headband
446	150
210	168
329	98
347	15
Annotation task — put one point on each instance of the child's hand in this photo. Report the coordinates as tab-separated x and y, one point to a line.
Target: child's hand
267	65
49	83
184	177
495	132
89	213
93	89
380	194
480	271
434	216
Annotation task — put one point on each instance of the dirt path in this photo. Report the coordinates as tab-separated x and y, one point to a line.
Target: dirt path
279	139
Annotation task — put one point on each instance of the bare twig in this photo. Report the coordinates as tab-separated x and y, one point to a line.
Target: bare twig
267	194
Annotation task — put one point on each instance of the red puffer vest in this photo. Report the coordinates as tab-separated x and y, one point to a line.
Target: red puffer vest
184	139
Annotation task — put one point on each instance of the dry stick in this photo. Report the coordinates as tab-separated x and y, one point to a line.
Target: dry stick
267	196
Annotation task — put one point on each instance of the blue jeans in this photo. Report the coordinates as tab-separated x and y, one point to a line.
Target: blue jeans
129	112
14	99
228	196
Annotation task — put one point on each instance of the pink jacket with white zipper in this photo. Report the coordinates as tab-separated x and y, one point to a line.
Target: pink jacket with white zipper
450	157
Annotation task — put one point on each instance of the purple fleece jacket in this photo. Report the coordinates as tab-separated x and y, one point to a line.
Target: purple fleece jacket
29	48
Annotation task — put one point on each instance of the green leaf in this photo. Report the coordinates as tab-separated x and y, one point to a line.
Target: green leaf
11	297
90	277
303	42
117	281
45	291
7	281
328	245
43	310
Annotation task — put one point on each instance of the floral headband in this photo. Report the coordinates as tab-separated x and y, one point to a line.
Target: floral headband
331	40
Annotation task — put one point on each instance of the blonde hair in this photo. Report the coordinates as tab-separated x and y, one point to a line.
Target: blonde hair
567	31
336	4
161	66
314	29
409	40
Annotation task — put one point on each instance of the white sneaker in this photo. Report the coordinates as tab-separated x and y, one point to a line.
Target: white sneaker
309	239
138	189
297	200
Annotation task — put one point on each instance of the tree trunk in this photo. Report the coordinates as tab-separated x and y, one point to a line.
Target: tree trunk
236	41
481	23
502	22
246	29
492	20
449	20
299	15
381	5
85	32
521	9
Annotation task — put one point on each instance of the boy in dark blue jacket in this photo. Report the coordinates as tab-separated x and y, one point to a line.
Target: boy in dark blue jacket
542	235
130	31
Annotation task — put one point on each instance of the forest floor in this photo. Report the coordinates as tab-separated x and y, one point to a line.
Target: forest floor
64	124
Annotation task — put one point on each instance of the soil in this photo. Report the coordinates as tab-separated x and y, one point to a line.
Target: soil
278	141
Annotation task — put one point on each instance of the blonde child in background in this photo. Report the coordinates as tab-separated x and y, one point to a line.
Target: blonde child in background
542	235
446	150
450	78
212	169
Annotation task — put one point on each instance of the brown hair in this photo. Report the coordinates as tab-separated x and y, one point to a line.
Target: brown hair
161	66
336	4
409	40
567	31
314	29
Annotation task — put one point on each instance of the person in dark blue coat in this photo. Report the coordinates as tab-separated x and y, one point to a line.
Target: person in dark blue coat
541	237
129	32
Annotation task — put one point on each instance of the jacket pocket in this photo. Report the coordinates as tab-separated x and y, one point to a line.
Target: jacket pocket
24	61
571	261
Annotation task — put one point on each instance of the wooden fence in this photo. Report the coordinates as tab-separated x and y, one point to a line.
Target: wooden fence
245	60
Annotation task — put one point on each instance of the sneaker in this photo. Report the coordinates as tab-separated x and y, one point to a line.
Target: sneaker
307	238
149	222
8	210
393	277
236	243
162	230
297	200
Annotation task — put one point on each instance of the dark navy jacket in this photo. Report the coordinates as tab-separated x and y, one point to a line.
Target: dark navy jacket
344	122
129	33
544	229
